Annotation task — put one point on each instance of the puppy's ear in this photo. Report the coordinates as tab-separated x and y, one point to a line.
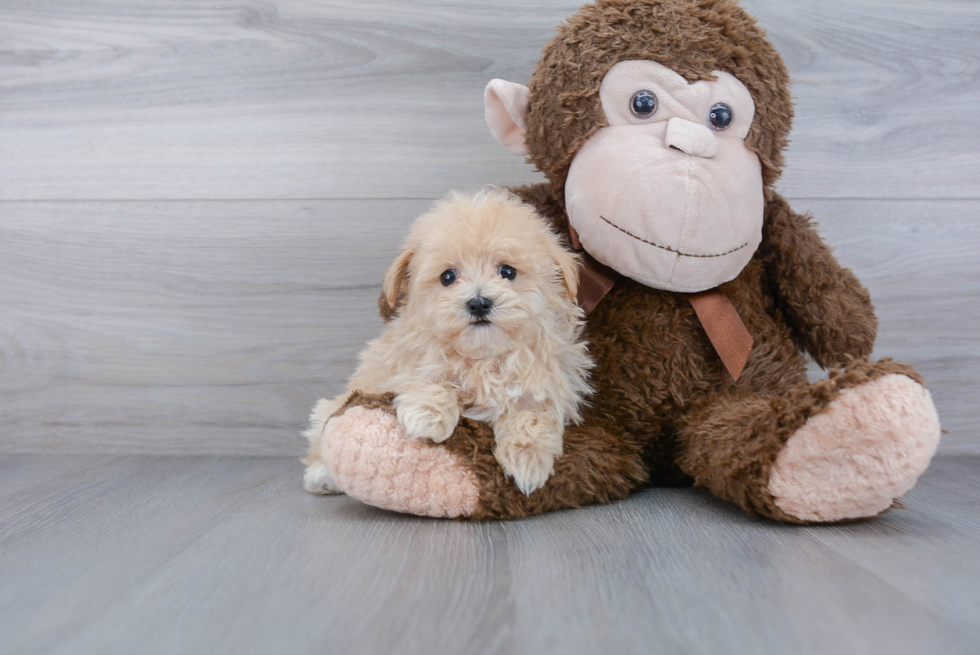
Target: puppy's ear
568	265
395	286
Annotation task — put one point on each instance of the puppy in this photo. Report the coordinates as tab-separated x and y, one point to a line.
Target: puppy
486	327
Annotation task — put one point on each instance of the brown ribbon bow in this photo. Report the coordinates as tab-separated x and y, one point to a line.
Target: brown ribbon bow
717	314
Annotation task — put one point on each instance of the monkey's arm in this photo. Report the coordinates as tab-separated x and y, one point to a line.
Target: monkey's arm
828	310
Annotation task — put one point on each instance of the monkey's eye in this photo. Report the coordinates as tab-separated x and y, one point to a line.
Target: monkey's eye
447	277
506	272
644	104
720	117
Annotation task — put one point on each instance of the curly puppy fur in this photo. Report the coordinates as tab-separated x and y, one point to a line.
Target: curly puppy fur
521	367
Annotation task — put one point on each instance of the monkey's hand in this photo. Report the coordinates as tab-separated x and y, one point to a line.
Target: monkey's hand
427	411
828	310
527	445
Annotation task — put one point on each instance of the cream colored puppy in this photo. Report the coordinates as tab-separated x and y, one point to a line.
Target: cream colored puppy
486	327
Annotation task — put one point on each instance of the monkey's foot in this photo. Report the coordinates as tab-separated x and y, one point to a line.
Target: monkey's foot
864	450
372	459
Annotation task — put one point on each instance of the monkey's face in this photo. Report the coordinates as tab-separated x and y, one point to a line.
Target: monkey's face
668	193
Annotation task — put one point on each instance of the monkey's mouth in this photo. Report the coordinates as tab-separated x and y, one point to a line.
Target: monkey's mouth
668	248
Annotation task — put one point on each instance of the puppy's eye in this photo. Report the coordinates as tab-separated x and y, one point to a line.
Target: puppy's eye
720	117
644	104
447	277
506	272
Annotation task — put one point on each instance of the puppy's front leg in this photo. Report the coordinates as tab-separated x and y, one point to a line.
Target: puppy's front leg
427	411
527	445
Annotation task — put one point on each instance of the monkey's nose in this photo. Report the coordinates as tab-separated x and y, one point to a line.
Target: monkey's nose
479	307
691	138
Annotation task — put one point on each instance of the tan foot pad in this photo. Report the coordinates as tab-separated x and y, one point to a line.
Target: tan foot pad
374	461
867	448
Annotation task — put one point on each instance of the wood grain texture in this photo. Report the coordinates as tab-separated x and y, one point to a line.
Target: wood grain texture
212	327
180	99
185	327
209	555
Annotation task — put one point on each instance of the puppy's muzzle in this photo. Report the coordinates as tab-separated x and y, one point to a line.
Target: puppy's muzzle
479	307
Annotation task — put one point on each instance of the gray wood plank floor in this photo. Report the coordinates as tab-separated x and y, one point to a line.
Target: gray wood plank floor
171	555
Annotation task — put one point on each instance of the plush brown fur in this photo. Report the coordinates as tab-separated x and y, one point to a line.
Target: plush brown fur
665	409
602	462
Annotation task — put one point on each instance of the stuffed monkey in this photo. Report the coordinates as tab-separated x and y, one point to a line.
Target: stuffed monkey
660	126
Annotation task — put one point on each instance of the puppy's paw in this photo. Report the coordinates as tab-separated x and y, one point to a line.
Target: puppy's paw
427	413
527	446
317	479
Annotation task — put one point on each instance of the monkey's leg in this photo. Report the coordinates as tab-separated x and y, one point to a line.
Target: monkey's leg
842	448
372	459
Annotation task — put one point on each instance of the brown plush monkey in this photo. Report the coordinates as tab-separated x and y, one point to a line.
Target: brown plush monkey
660	125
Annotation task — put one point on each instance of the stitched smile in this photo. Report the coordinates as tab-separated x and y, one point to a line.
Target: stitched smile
668	248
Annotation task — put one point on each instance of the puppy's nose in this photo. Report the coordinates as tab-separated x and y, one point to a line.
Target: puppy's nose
479	307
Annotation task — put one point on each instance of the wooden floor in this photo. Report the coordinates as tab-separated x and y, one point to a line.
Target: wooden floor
212	555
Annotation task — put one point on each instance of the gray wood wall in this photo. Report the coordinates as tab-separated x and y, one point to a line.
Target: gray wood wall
198	199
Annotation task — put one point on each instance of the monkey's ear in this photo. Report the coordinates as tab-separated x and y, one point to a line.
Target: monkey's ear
506	110
395	285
